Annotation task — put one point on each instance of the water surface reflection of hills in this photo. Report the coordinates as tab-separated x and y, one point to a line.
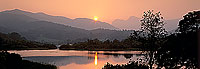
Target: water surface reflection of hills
78	59
60	60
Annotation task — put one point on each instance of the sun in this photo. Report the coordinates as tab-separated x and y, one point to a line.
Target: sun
95	18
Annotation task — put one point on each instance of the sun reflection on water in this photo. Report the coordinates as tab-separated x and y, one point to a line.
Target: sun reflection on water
95	59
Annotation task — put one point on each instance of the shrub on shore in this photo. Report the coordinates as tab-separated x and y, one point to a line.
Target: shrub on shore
130	65
14	61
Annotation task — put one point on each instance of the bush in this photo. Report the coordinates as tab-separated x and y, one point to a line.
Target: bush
14	61
130	65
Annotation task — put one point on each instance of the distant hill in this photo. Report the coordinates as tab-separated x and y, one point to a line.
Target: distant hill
133	23
45	31
172	25
89	24
34	29
83	23
104	34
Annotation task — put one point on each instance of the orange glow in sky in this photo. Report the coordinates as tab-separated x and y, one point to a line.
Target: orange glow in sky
106	10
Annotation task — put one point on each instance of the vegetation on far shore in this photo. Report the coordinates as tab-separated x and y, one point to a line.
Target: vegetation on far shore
14	41
95	44
130	65
131	49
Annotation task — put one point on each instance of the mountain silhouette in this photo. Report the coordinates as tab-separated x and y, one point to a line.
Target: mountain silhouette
46	31
133	23
83	23
37	30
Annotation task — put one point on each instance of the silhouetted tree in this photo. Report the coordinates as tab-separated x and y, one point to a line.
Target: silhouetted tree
152	26
181	49
1	42
190	22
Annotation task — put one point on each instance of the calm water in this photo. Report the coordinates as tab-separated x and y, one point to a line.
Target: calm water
73	59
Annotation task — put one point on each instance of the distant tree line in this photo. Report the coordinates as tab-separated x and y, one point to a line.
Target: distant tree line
130	65
95	44
14	41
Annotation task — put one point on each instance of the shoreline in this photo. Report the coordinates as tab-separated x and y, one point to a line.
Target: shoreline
27	49
133	49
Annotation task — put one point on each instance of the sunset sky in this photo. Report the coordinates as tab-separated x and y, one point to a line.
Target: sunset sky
105	10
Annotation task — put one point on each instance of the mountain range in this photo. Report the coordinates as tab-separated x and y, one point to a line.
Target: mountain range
38	29
133	23
58	29
83	23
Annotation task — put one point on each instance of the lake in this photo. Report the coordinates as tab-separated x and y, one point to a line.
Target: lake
74	59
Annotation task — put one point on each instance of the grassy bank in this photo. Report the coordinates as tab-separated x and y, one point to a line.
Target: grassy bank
14	61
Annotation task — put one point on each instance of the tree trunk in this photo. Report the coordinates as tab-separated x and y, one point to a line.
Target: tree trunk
151	60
